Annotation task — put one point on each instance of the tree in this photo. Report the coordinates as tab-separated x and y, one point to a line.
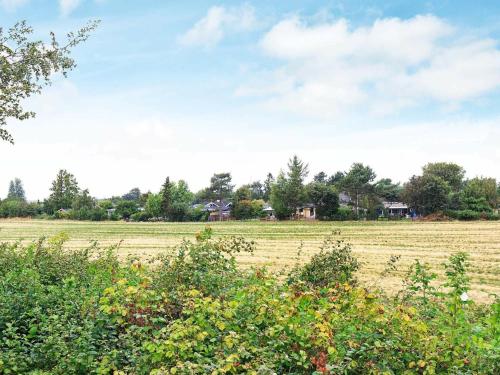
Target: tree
426	194
296	192
64	190
83	201
357	182
166	198
279	198
325	199
182	199
288	192
257	190
126	209
336	179
243	208
452	173
16	190
27	66
268	182
133	195
154	205
321	177
386	190
480	188
221	188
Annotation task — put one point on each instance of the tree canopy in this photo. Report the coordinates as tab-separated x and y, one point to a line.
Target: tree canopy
27	66
16	190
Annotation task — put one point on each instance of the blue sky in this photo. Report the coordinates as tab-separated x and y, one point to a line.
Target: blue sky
189	88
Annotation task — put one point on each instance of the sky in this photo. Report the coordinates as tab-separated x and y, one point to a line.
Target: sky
189	88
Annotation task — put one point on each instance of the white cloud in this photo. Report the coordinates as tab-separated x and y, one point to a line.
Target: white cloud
11	5
217	23
331	68
68	6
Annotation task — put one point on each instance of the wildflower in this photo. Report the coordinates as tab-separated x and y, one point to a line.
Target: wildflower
464	297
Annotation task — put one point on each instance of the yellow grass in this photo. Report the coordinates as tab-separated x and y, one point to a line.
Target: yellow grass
277	242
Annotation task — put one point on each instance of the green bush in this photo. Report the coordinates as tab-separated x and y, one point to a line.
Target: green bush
466	215
333	264
345	213
193	311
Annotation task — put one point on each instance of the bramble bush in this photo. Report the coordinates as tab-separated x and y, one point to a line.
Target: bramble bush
193	311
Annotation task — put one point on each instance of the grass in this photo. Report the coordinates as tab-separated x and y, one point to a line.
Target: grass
277	242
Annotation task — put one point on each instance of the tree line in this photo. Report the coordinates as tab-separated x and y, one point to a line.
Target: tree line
343	195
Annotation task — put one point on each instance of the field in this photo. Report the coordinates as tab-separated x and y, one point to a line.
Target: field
277	243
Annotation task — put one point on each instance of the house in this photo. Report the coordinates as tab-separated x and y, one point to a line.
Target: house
218	210
306	211
344	199
394	209
269	211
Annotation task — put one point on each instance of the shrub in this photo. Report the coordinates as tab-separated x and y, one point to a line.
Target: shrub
345	213
333	264
463	214
192	311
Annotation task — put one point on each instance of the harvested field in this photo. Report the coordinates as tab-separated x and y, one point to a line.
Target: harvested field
277	242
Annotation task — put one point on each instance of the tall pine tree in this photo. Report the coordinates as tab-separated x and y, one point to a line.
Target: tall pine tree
166	198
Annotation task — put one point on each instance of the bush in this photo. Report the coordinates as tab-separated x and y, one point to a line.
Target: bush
464	215
333	264
140	216
345	213
194	312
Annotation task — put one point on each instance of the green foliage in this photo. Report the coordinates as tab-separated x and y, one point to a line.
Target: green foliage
464	215
194	312
27	66
63	191
126	208
182	199
279	198
333	264
325	199
453	174
426	194
288	192
154	207
419	281
133	195
166	198
345	213
268	183
244	207
358	183
19	208
387	190
16	190
83	201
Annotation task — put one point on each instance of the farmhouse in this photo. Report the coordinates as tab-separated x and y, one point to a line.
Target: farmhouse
217	208
307	211
344	199
395	208
269	211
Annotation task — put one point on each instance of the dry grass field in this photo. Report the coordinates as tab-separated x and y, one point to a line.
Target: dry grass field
277	242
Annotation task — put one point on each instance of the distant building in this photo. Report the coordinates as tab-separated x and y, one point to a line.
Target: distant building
269	211
344	199
217	210
395	208
306	211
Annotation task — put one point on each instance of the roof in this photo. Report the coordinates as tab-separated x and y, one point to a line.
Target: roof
307	205
215	206
344	197
395	205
